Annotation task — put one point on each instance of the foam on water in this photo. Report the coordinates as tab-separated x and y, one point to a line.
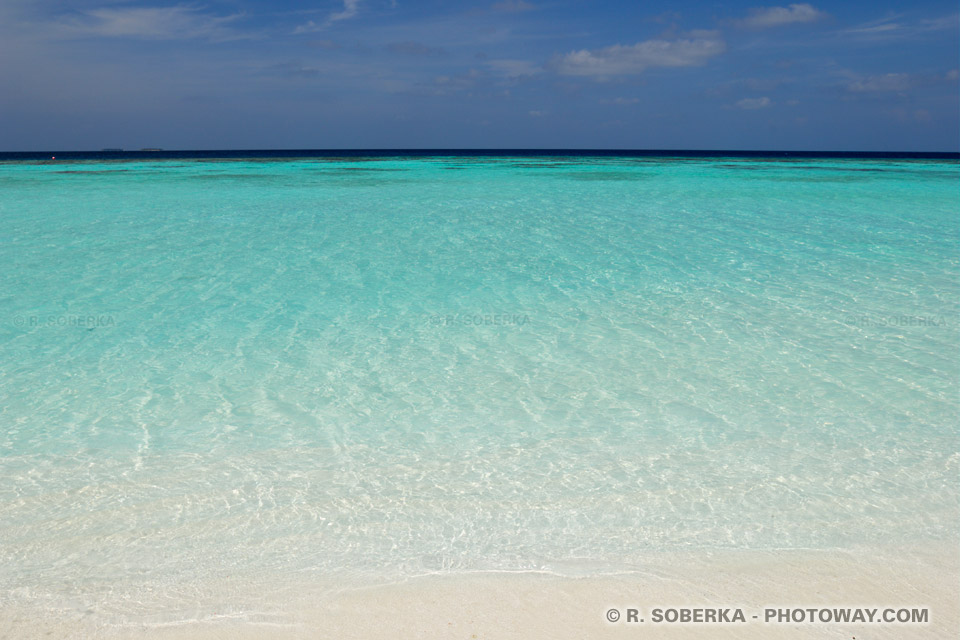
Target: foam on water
369	369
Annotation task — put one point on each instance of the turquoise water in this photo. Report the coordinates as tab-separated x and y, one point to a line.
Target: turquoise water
369	369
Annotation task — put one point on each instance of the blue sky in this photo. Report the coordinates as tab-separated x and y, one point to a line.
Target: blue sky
87	74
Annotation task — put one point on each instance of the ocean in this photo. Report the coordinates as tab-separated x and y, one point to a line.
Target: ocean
356	368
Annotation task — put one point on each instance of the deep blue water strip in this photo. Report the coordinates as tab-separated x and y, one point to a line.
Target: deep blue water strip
213	154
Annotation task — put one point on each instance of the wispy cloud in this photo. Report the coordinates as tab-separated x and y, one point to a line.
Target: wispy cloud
514	68
751	84
665	17
411	48
892	27
766	17
874	29
617	60
897	82
921	116
513	6
448	84
941	23
901	83
350	9
323	44
154	23
621	101
292	70
751	104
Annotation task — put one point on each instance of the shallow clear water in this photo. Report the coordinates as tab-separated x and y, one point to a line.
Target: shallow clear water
370	369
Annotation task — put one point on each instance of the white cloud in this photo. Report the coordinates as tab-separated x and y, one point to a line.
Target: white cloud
411	48
514	68
887	82
323	44
155	23
766	17
694	50
952	74
350	9
754	103
458	82
513	6
621	101
537	114
309	27
891	27
874	29
940	24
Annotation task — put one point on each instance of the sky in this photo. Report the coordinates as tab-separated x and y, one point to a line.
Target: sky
616	74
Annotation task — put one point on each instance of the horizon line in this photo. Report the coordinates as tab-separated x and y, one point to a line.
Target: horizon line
485	150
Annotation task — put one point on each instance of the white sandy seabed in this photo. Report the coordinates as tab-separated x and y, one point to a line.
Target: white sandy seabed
535	605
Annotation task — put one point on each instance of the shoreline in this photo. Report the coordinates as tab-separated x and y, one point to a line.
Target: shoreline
543	605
